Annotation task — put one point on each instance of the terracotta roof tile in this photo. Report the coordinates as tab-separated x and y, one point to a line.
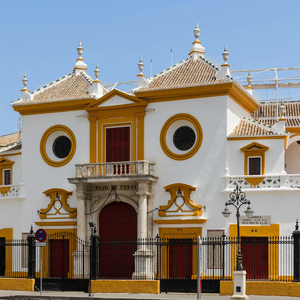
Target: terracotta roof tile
267	113
185	73
9	139
251	127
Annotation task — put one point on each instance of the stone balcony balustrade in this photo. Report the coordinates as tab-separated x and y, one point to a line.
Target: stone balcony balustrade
263	182
129	169
14	191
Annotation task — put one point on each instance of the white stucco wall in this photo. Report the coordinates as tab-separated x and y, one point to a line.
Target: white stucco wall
292	158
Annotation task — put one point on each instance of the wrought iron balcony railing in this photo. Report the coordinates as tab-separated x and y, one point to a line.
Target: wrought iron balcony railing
115	169
283	181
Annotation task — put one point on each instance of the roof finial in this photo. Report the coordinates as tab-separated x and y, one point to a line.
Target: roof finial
197	32
97	71
79	49
141	65
80	66
25	80
249	78
225	55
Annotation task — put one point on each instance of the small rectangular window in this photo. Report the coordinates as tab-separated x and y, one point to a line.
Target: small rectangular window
7	177
254	165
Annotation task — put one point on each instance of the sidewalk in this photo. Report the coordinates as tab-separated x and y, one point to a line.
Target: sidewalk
80	295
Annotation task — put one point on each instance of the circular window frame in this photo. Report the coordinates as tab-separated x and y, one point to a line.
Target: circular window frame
197	144
43	143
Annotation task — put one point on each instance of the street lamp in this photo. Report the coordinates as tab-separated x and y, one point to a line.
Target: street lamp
237	199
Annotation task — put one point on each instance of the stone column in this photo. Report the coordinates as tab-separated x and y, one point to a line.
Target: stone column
143	257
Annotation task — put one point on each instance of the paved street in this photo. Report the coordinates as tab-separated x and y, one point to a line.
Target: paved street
78	295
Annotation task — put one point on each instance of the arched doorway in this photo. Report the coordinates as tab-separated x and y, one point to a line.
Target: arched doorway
292	154
118	235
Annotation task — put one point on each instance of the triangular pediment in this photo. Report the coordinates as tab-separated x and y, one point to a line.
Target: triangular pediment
116	99
254	147
4	160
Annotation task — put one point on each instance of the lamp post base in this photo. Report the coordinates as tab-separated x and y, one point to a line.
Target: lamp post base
239	285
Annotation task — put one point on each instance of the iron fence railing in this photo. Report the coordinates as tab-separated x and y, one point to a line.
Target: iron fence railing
66	256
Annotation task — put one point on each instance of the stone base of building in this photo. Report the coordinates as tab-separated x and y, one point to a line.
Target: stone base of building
17	284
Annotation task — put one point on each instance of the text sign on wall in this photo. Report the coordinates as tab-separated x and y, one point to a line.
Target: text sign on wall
255	220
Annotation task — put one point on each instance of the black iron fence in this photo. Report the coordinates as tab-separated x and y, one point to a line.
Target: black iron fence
67	257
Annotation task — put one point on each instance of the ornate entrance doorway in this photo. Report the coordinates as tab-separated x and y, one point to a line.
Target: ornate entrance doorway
117	224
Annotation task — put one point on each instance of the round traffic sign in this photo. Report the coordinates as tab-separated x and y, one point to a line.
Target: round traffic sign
40	235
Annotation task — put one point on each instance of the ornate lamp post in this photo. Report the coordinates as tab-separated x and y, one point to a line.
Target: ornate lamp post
237	199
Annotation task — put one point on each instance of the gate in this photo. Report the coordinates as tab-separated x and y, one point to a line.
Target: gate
65	263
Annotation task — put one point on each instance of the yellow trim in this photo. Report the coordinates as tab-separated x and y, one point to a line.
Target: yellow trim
178	233
93	139
63	204
164	131
226	89
4	189
44	139
196	51
79	68
17	284
286	140
261	231
62	223
225	65
254	181
257	152
12	154
267	137
25	90
6	164
7	233
186	190
125	286
178	221
95	81
52	107
140	75
293	129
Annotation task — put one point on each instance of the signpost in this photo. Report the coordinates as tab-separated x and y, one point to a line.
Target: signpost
41	236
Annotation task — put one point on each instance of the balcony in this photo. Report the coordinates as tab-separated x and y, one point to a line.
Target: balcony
15	191
119	171
263	182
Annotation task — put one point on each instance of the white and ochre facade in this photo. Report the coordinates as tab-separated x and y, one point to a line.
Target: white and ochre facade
190	127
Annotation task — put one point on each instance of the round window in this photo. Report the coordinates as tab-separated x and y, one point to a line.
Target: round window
62	146
184	138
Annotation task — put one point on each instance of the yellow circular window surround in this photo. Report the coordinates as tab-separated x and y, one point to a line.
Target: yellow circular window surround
43	145
199	136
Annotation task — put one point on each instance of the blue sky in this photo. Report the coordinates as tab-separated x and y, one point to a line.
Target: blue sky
41	37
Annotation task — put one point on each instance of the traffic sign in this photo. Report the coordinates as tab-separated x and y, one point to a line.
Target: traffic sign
40	235
41	244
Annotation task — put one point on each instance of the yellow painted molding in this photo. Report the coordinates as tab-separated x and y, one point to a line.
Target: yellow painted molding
226	89
62	223
267	137
185	190
52	107
179	221
43	142
254	181
196	146
125	286
4	190
293	129
5	164
134	101
62	201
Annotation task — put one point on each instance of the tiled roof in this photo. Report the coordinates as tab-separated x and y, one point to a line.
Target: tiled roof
69	87
267	113
9	139
251	127
183	74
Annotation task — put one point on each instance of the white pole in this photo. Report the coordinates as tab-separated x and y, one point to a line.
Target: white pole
41	277
199	268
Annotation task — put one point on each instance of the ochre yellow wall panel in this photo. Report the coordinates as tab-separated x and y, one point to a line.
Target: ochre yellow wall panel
125	286
17	284
266	288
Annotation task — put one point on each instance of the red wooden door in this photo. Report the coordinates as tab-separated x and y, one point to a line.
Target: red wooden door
255	257
59	258
118	144
180	258
118	235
